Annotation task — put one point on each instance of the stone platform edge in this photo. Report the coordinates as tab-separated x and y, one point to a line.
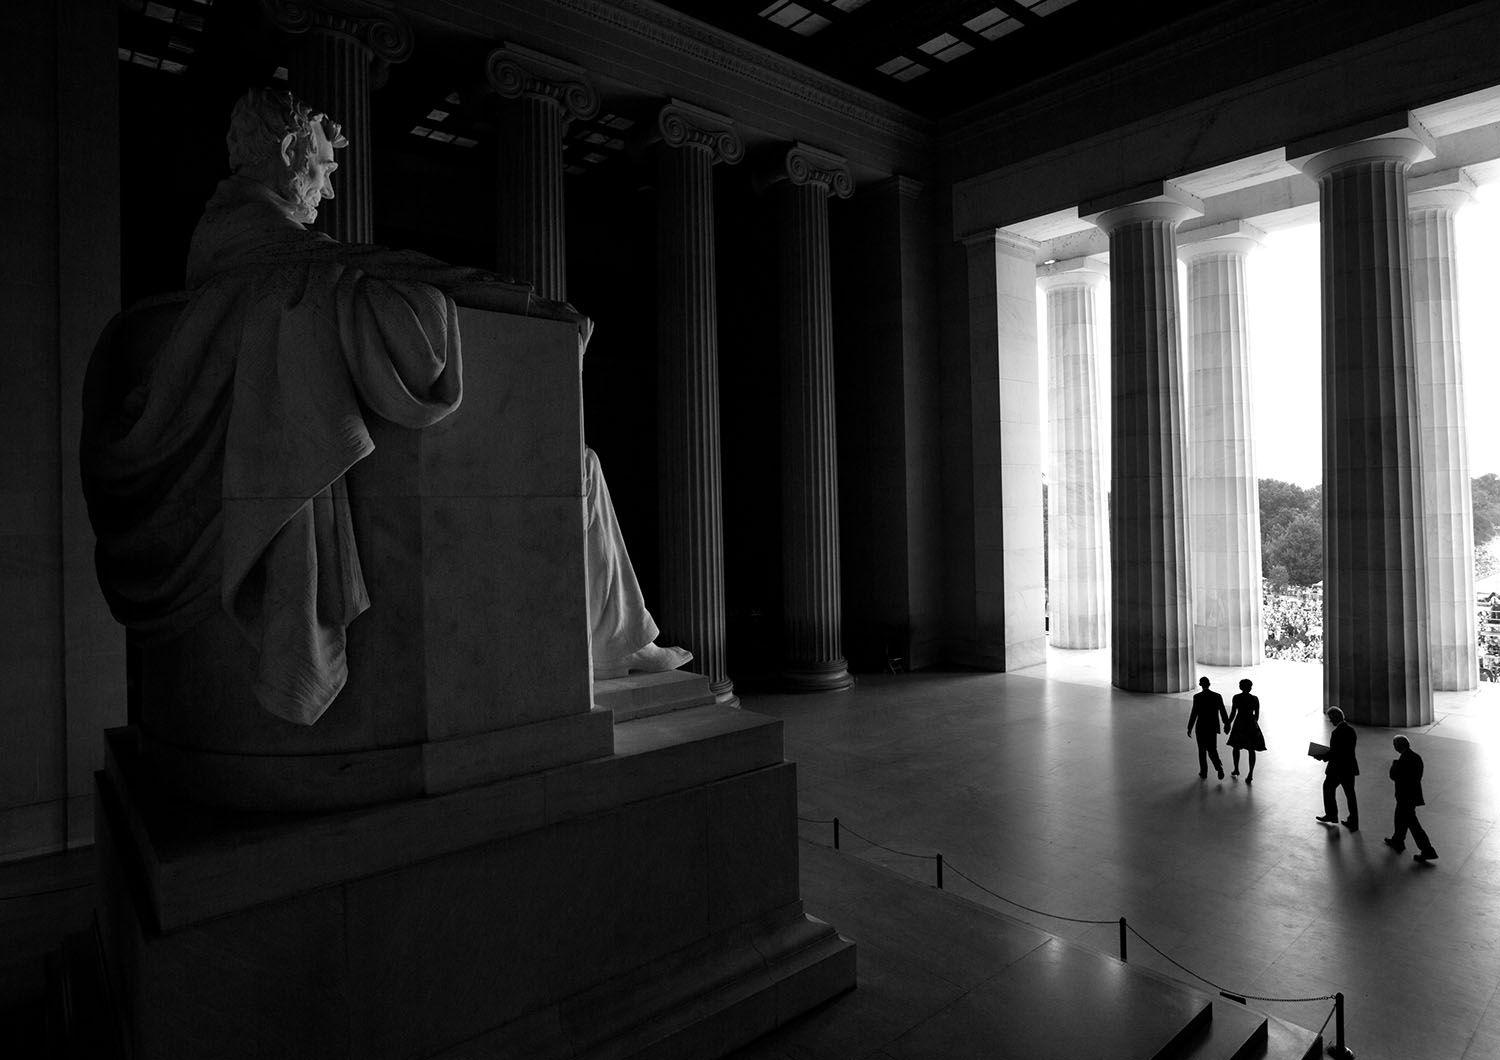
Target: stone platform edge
197	863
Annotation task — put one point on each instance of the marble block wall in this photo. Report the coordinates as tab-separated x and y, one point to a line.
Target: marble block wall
1078	541
1005	449
62	658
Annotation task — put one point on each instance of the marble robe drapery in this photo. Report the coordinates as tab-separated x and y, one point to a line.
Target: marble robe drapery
214	472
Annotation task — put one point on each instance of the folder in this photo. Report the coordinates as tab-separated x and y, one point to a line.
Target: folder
1314	750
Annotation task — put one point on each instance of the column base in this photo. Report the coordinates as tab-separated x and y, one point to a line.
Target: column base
816	676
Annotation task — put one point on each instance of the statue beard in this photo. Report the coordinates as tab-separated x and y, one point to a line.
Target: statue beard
305	195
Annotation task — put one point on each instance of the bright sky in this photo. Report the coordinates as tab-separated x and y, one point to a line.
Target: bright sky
1285	344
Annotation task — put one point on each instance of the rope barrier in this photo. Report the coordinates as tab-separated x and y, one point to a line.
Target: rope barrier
1124	926
1018	905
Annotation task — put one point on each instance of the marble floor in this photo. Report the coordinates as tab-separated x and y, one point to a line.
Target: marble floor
1053	789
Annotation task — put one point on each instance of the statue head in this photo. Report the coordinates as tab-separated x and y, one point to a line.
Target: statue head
281	142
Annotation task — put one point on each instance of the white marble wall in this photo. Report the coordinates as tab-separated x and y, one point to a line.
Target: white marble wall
1447	504
1223	495
1077	539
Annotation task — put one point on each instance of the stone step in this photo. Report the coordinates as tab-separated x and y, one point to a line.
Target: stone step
642	695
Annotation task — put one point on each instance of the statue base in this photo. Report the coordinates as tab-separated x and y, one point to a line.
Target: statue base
642	903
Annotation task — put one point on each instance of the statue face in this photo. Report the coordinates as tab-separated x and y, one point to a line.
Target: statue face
309	182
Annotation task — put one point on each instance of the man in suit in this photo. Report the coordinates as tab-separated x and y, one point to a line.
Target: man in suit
1406	771
1341	771
1208	719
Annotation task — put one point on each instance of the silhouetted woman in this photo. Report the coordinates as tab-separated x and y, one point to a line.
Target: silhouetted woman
1244	728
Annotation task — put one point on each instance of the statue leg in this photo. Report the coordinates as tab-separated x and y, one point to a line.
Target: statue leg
622	633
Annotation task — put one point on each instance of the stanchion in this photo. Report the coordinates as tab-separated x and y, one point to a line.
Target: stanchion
1338	1050
1122	940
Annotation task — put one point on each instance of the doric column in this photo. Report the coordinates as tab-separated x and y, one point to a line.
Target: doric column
1375	642
1151	626
813	629
539	95
342	50
1077	541
692	515
1223	492
1446	500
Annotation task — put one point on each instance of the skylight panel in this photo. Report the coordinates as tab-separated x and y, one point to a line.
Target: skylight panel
1046	7
938	43
809	25
160	12
992	24
914	70
440	137
451	98
436	115
945	47
849	5
784	14
795	17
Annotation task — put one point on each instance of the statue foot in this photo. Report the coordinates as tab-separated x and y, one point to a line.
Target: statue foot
652	659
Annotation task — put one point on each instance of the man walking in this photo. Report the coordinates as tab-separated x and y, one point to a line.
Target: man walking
1343	767
1406	771
1208	725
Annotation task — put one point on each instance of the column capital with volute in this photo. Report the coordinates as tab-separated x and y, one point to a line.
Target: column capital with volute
804	164
516	72
686	125
382	32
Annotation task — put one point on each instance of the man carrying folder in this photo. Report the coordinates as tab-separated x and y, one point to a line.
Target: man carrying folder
1341	771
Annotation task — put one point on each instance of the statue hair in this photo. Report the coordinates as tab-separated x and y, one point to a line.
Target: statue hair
261	120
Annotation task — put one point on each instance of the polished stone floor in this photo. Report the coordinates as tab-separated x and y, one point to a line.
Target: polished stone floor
1061	793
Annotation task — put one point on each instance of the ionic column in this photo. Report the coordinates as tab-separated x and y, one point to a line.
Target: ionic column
342	51
1375	639
1077	542
1446	501
540	96
1151	626
692	516
813	627
1223	492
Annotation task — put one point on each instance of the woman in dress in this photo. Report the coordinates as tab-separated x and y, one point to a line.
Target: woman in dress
1244	728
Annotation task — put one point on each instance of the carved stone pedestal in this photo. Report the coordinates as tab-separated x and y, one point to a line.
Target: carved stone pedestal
464	856
640	904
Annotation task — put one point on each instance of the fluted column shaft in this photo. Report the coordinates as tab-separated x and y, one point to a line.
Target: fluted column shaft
1375	664
1151	630
340	51
1077	543
1446	497
689	464
812	607
532	246
539	96
1223	492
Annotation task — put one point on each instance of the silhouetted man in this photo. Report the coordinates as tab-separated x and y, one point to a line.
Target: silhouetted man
1406	771
1207	720
1343	767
